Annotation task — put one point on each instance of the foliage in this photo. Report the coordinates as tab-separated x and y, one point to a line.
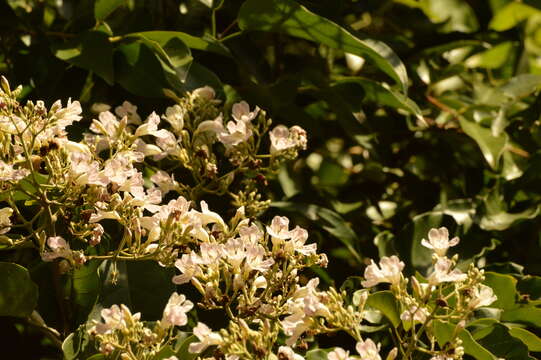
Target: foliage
419	114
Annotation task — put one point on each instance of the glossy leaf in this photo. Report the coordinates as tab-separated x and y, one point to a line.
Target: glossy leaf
492	147
193	42
85	289
532	341
511	15
104	8
504	287
385	302
288	16
444	333
18	293
91	51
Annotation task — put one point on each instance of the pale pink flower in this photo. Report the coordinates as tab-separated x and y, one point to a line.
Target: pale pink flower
59	249
175	311
165	182
279	228
205	92
482	295
5	221
339	354
444	273
8	173
287	353
66	116
389	271
174	115
438	240
418	314
206	338
150	127
241	112
130	111
188	265
368	350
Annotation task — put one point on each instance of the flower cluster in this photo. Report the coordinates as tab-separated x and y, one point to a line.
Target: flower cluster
430	298
122	332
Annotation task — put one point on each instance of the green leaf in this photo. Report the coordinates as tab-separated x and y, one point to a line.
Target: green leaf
444	332
183	352
456	15
526	315
498	341
143	286
85	289
385	302
329	220
104	8
18	293
511	15
492	58
492	147
532	341
289	17
139	71
521	85
317	354
381	95
193	42
504	287
175	58
92	51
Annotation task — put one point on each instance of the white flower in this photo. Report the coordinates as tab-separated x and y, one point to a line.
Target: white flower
205	92
279	228
287	353
368	350
206	338
209	217
438	240
339	354
66	116
150	127
390	272
165	182
97	232
5	221
241	112
129	110
482	295
443	273
8	173
283	138
59	247
175	311
174	115
216	126
188	265
304	306
173	357
418	313
235	133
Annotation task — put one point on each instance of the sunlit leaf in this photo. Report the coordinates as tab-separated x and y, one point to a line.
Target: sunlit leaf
288	16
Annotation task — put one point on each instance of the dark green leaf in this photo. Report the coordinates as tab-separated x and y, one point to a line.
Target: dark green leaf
18	293
91	51
492	147
104	8
504	287
532	341
385	302
287	16
85	290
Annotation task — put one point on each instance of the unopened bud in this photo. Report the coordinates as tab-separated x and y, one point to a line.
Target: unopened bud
392	354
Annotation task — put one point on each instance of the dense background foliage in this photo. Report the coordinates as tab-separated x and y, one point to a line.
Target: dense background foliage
444	129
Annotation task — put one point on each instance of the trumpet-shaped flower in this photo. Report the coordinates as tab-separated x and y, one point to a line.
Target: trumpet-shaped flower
206	338
443	272
388	271
438	240
368	350
174	313
339	354
287	353
482	295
